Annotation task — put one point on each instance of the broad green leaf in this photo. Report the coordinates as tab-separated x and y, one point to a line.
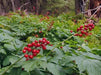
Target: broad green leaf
86	48
5	36
2	51
10	47
66	48
53	69
10	59
30	65
92	66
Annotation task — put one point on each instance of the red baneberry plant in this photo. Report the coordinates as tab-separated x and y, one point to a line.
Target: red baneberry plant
84	31
33	48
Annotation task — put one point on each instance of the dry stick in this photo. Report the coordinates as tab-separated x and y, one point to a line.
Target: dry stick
13	6
87	11
24	5
11	65
95	12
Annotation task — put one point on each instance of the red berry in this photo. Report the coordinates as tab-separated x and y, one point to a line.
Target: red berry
36	35
51	45
31	56
71	31
76	35
78	29
36	41
44	47
48	42
33	43
81	26
34	51
24	51
25	48
27	59
29	45
40	31
80	35
61	47
43	41
37	51
40	41
86	28
26	55
38	45
34	54
29	49
82	32
86	25
86	34
90	28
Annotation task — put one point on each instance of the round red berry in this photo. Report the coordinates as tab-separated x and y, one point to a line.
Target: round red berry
81	26
34	51
43	38
36	41
48	42
34	54
61	47
40	41
37	51
29	49
44	47
25	48
38	45
31	56
29	45
40	31
43	41
80	35
71	31
24	51
26	55
27	59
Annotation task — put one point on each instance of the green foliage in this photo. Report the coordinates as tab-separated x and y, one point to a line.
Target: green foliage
79	56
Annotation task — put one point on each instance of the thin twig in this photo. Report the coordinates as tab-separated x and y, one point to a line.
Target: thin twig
24	5
95	12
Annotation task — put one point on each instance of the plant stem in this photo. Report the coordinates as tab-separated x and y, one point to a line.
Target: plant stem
11	65
46	55
58	44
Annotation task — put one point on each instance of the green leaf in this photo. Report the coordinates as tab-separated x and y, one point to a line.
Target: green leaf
2	51
5	36
53	69
92	66
30	65
9	47
10	59
86	48
66	48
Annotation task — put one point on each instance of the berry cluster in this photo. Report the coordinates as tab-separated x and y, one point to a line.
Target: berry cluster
33	48
84	30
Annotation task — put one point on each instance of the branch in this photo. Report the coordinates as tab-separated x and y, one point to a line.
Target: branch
23	5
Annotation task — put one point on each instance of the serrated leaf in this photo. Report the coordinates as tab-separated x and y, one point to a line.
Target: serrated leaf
66	48
9	59
2	51
9	47
4	36
86	48
92	66
29	65
53	69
